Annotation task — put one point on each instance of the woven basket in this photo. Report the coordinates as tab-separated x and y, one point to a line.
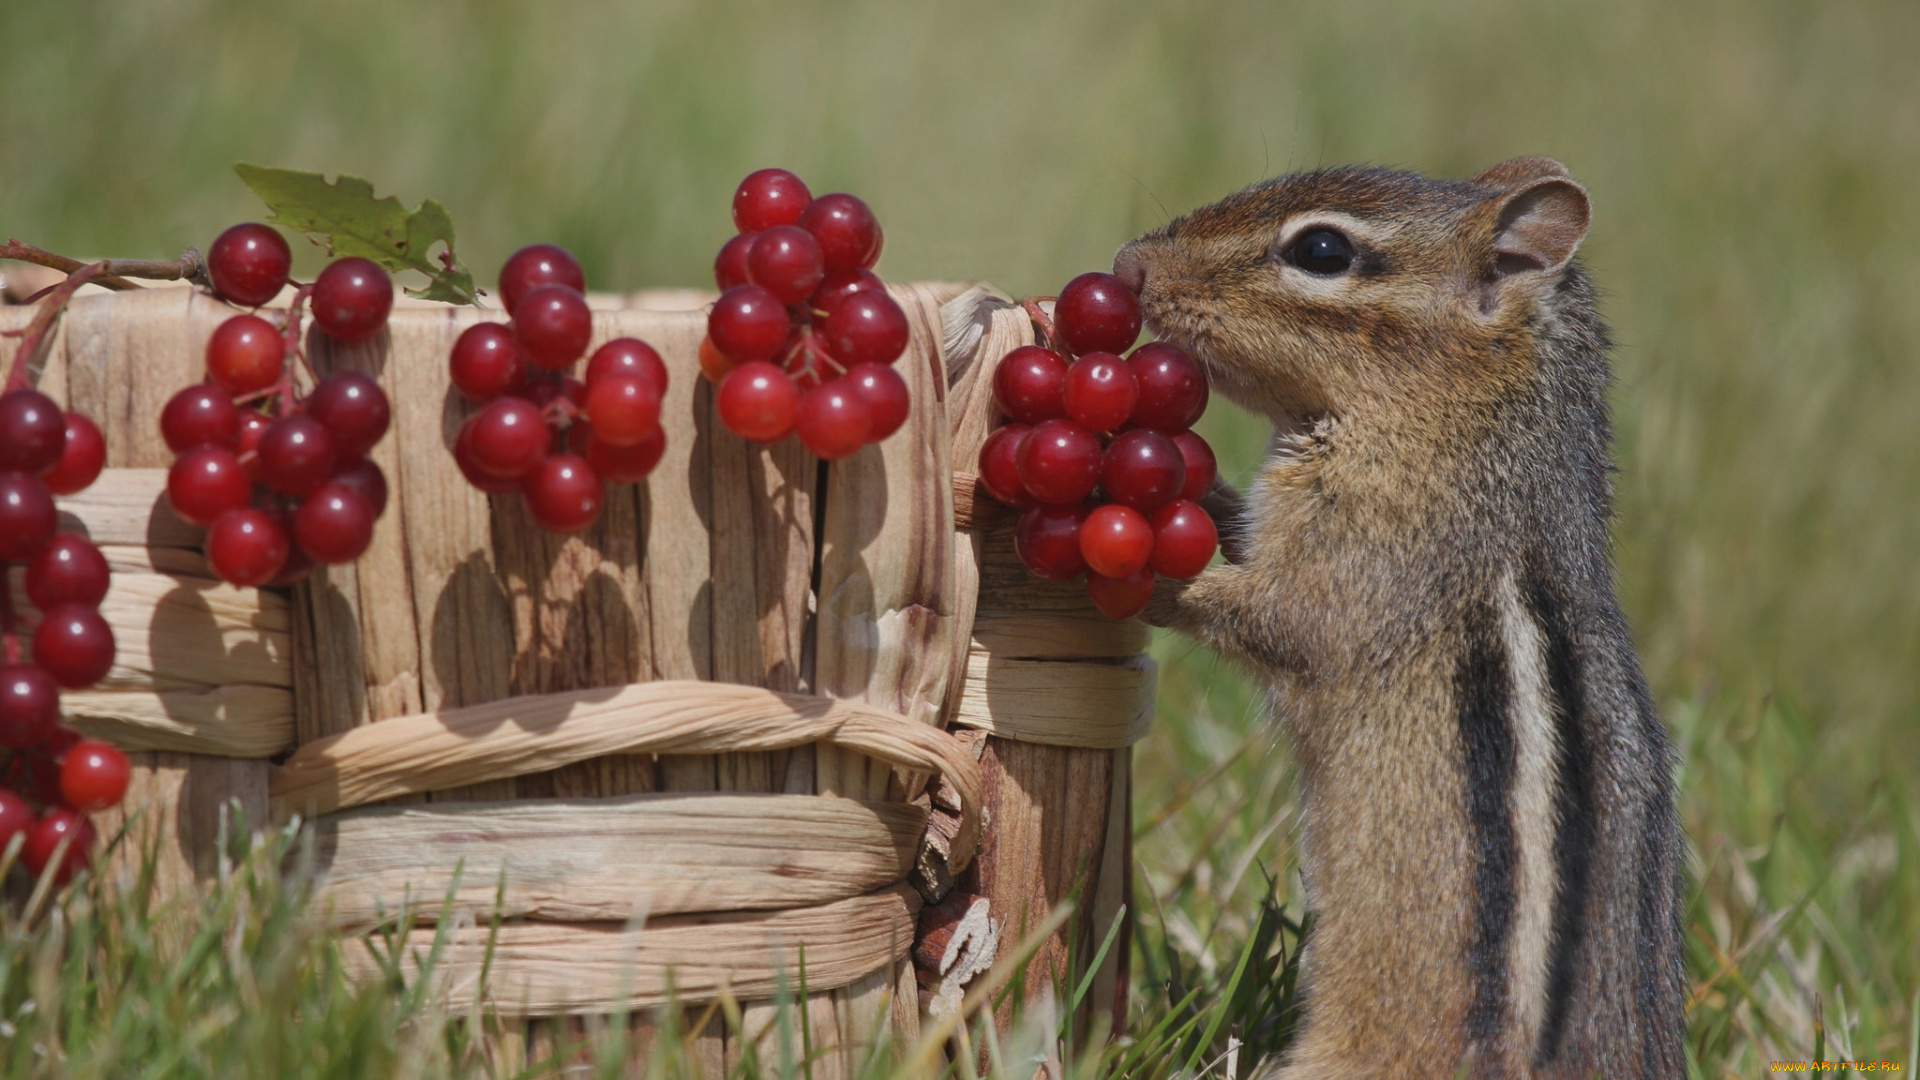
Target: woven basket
764	705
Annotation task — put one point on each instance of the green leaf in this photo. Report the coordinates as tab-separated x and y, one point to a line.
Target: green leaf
353	222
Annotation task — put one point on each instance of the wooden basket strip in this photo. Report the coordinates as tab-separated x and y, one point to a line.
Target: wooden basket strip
1067	635
550	969
127	507
1058	703
226	721
587	860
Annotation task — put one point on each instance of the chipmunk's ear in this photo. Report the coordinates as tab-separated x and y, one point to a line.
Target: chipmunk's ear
1541	222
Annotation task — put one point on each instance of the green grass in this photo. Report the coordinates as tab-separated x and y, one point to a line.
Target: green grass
1756	230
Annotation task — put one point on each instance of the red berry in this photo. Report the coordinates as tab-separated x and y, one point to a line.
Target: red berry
1059	462
74	644
837	287
553	326
730	266
197	416
351	298
296	455
1116	540
245	355
485	362
93	776
629	356
299	564
205	483
786	261
848	234
253	428
29	706
354	410
81	459
748	323
334	524
714	364
1184	540
69	570
247	547
366	480
563	494
1121	598
536	265
769	197
43	842
1096	313
885	393
832	420
463	456
999	468
866	328
757	401
33	432
1048	541
27	516
1143	469
623	409
1030	384
508	438
249	264
1201	467
1100	392
1173	391
16	817
626	464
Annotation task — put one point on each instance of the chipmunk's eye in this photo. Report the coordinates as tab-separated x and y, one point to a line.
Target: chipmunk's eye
1322	252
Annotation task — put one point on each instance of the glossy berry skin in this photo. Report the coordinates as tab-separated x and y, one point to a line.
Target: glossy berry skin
885	393
297	455
33	432
836	287
769	197
849	235
536	265
553	326
245	355
626	464
629	356
93	776
351	299
247	547
81	459
866	328
832	420
1143	469
205	483
748	323
1184	540
1201	466
1121	598
29	705
486	363
43	841
1100	392
730	266
16	817
366	480
334	524
249	264
253	428
786	261
1096	313
1115	540
563	494
999	466
757	401
1048	541
27	516
508	438
202	415
1030	384
74	644
463	456
623	409
1059	462
714	364
354	411
1173	391
69	570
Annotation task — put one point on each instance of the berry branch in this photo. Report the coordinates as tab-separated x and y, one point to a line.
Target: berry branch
115	272
53	301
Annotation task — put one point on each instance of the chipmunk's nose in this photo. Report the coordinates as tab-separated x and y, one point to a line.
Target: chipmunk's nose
1130	268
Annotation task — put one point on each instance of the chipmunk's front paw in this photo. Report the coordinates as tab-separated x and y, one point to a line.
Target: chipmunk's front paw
1167	608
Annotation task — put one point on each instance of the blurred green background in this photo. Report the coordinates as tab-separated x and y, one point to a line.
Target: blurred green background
1752	167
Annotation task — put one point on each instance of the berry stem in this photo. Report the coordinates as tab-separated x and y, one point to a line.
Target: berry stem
189	266
1042	322
38	331
291	331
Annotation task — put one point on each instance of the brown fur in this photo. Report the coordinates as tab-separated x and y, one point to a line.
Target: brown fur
1422	580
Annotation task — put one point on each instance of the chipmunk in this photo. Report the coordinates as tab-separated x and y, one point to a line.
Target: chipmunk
1421	576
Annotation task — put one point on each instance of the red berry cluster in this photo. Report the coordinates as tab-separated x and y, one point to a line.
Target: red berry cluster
1100	451
804	333
280	482
555	439
46	452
